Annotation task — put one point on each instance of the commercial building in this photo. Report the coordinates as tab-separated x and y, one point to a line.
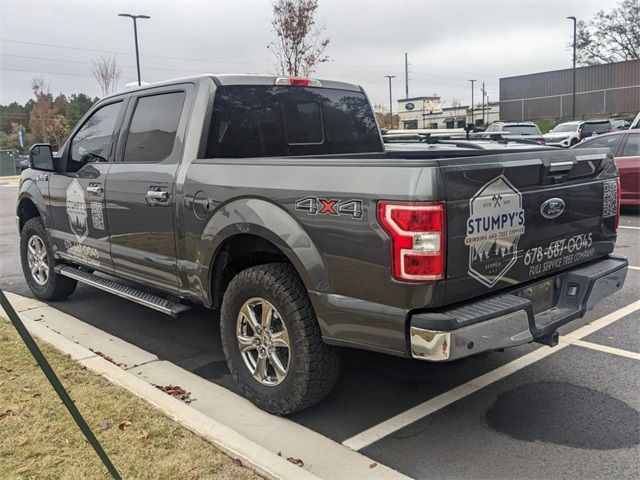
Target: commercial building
601	91
427	112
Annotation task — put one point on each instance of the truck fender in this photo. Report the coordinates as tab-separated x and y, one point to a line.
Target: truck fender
264	219
29	192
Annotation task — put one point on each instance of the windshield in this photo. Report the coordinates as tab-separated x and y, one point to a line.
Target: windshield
565	127
596	127
522	129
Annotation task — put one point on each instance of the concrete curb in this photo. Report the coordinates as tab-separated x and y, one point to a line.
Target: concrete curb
252	455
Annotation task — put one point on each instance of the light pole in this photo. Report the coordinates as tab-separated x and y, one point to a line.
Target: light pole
390	97
473	122
573	94
135	36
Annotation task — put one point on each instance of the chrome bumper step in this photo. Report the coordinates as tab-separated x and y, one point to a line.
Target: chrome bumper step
130	293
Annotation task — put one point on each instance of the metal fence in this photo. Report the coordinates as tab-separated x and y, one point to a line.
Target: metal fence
601	91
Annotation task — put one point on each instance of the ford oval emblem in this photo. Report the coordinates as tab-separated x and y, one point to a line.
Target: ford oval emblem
552	208
409	106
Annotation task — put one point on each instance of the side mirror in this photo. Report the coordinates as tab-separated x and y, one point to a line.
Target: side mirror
41	157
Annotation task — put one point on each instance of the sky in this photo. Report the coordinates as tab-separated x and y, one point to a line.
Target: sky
448	42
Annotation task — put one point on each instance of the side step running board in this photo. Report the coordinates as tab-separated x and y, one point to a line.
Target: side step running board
130	293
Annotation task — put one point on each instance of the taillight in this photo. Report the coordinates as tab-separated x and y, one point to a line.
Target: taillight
297	82
618	200
418	239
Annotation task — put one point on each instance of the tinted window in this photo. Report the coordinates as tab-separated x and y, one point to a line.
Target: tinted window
605	141
95	138
595	127
632	147
302	123
153	128
260	121
521	129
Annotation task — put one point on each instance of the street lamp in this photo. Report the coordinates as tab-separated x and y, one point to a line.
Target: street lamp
135	36
390	98
473	122
573	96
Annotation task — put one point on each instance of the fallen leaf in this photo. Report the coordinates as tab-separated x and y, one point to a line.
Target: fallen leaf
237	462
176	391
143	434
296	461
105	426
124	425
26	389
6	413
1	383
279	454
373	465
13	377
22	469
22	443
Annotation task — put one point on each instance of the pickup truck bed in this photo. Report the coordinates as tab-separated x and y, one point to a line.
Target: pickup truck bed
274	200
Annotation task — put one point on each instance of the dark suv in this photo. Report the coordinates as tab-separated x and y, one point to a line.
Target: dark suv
594	127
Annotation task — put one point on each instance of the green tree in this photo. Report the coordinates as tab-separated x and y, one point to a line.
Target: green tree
610	36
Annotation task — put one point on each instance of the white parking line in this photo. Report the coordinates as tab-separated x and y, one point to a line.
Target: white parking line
629	227
634	268
605	348
378	432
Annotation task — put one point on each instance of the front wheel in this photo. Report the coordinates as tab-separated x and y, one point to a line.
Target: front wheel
272	340
38	264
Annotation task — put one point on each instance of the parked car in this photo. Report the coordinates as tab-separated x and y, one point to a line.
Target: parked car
625	147
565	134
594	127
524	130
275	201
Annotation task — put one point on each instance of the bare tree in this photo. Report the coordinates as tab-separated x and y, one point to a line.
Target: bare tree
106	72
384	117
455	103
610	37
298	48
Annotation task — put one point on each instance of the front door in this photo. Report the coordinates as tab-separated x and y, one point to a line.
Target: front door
80	230
140	194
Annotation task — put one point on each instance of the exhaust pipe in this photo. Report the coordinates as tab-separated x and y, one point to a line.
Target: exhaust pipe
550	339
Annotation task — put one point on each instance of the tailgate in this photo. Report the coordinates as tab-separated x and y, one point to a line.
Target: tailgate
512	218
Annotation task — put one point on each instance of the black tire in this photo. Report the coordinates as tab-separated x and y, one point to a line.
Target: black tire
56	287
313	367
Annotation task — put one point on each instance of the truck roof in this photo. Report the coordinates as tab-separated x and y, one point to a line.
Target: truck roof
236	79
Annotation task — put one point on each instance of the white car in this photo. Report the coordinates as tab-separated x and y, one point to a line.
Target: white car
564	135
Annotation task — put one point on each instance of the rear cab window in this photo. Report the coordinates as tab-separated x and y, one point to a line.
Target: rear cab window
522	129
595	127
605	141
272	120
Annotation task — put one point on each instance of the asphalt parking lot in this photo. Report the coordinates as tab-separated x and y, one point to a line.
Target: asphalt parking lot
571	413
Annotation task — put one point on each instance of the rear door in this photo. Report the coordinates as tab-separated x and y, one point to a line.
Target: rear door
517	217
140	188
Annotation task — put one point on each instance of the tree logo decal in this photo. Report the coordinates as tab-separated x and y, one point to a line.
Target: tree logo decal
494	227
77	211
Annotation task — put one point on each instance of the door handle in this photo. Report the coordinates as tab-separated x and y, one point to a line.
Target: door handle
158	196
95	189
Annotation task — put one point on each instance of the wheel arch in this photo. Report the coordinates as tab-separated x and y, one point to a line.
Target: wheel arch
263	232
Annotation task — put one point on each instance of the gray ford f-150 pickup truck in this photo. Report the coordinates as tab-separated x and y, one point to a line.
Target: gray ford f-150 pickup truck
275	200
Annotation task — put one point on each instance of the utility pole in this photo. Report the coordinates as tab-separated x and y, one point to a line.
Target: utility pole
473	122
573	93
406	75
483	94
135	37
390	97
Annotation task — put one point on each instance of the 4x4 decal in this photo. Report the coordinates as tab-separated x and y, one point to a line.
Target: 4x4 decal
329	206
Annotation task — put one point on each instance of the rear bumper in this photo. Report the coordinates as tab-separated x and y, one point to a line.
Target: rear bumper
517	317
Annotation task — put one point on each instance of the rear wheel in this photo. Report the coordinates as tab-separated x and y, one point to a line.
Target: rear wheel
38	264
272	341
